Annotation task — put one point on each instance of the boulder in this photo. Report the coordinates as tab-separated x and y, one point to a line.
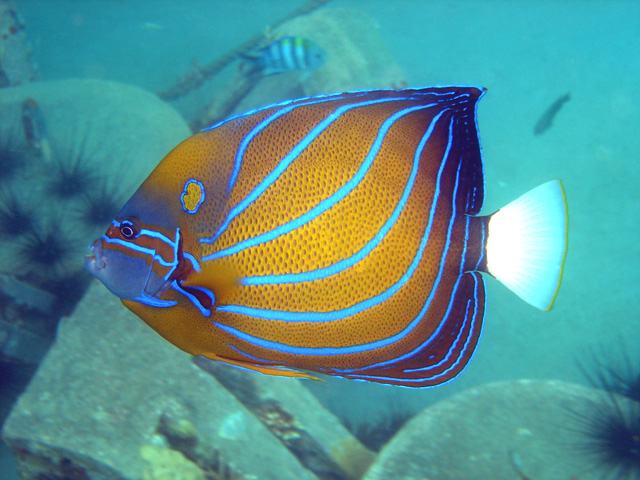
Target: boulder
105	138
111	396
499	431
357	59
115	134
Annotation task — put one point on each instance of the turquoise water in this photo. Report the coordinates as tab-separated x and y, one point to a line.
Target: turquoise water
527	54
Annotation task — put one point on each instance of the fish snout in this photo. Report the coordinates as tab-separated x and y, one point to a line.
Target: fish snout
97	260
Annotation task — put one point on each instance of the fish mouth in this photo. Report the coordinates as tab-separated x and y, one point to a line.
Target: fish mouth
96	261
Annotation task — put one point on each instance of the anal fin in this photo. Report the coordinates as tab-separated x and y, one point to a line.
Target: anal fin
444	355
264	369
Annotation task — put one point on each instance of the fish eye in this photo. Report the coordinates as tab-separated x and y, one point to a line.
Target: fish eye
127	229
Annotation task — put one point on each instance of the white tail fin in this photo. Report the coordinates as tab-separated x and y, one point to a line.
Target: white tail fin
527	244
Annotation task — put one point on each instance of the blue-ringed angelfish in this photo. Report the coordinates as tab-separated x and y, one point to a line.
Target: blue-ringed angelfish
338	234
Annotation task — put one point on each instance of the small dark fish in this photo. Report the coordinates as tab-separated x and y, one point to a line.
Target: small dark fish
544	122
35	129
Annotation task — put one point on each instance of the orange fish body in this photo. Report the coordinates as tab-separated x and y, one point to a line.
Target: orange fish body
336	234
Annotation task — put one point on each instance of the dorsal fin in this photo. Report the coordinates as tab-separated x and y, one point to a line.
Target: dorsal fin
470	195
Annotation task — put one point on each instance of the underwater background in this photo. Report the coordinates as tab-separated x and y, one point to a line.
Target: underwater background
103	77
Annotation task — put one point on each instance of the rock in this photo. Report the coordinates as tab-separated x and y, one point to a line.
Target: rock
294	416
357	59
166	464
476	434
116	133
111	395
113	135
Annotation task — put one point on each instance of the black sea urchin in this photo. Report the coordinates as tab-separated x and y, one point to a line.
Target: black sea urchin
12	158
620	376
71	178
375	434
611	437
610	427
72	175
15	218
45	251
101	205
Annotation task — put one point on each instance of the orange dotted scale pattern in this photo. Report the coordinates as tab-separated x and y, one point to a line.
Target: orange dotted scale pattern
352	157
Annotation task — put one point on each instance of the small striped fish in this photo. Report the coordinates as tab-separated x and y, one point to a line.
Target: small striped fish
338	234
287	55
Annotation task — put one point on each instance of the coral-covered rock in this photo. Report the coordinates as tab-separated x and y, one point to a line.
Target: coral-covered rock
71	153
110	385
488	432
357	59
93	137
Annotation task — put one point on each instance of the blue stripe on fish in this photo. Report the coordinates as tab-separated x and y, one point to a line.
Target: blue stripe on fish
145	251
192	298
361	306
444	373
362	253
360	348
255	131
155	302
326	204
280	168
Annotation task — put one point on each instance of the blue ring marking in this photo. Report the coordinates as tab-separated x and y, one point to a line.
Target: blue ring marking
128	224
204	311
281	168
184	192
378	343
327	203
346	263
370	302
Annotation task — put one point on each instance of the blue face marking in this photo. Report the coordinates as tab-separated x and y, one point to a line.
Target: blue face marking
192	196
